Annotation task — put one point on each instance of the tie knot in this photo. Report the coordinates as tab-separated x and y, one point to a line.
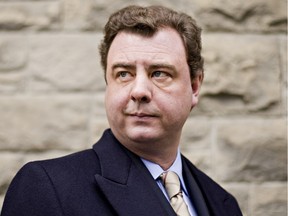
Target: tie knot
171	183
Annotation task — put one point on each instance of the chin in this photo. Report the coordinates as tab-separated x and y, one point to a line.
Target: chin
143	135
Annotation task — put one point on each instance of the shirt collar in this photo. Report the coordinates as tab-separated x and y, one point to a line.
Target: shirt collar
157	170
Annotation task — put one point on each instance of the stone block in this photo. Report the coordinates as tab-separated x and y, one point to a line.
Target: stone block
99	104
98	125
269	199
220	15
99	120
12	82
251	150
196	134
13	52
21	15
89	14
283	54
13	58
242	16
65	63
202	159
242	75
44	122
284	74
93	15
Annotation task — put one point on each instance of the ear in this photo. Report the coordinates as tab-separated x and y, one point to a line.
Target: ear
196	83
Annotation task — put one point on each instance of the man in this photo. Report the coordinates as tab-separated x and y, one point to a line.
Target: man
153	70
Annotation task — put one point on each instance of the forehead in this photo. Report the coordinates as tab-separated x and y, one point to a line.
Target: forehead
165	45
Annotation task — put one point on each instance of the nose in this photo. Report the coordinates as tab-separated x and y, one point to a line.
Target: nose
141	90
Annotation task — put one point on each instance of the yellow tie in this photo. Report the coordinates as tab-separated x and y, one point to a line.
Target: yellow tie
172	185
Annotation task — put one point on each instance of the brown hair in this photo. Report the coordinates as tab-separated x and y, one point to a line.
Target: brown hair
146	21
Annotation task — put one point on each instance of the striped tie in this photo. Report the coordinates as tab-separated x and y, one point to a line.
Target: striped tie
172	185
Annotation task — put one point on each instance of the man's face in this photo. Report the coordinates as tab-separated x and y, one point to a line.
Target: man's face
149	93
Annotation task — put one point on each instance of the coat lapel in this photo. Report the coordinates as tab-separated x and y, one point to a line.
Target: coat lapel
194	191
125	181
214	196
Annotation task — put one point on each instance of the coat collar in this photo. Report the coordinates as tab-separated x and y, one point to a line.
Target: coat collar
218	201
126	182
194	191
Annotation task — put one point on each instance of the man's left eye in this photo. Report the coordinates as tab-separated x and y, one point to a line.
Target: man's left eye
159	74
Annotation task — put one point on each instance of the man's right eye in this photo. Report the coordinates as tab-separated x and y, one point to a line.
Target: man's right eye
123	74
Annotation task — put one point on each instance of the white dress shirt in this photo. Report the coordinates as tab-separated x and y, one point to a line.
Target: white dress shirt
176	167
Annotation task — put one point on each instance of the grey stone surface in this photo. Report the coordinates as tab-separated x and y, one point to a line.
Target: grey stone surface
242	75
66	63
13	59
98	125
197	134
252	150
21	15
43	122
13	50
242	16
90	15
269	199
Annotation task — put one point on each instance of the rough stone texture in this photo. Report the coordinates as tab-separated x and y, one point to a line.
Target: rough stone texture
52	90
13	50
43	122
203	159
92	15
13	58
248	16
29	15
196	134
269	199
239	79
98	125
220	15
252	150
284	75
66	63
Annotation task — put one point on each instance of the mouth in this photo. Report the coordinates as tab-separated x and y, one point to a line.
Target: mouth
143	115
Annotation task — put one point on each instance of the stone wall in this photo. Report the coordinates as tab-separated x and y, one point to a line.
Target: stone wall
52	90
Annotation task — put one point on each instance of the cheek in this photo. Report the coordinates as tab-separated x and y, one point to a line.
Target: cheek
115	99
180	98
176	105
181	104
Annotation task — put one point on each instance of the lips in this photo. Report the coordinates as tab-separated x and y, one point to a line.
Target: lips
142	112
142	115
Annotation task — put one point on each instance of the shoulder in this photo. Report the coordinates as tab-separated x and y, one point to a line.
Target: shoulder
79	163
63	173
57	172
49	182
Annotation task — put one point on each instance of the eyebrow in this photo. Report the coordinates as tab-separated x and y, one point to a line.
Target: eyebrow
123	65
150	67
162	65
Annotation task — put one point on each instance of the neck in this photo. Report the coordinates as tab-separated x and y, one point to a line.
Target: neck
163	156
162	150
